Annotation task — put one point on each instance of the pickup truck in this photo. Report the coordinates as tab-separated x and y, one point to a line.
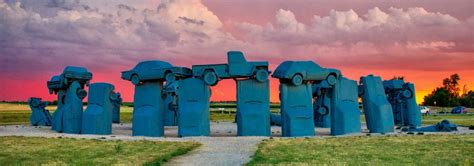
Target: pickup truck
237	67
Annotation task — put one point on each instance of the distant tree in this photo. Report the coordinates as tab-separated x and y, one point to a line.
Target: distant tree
439	97
452	85
467	99
398	78
465	90
447	95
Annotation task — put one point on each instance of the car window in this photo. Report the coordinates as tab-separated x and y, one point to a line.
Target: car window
152	64
313	65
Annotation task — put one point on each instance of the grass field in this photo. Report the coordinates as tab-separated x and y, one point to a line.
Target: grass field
376	150
459	119
434	109
61	151
20	113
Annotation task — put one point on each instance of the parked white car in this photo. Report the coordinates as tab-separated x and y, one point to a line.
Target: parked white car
424	110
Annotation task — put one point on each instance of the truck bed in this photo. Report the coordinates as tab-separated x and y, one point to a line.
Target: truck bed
221	70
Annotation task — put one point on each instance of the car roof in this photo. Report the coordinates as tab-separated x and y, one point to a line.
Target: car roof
75	69
286	65
152	64
55	78
297	65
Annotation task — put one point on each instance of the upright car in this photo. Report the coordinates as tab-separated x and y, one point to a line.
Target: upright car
155	70
298	72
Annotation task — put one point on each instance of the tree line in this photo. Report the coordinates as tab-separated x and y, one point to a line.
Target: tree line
450	94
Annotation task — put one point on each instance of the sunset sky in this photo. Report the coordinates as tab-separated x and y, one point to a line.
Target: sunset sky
422	40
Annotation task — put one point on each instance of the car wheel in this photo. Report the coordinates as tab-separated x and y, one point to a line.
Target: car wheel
135	80
407	93
323	110
65	81
81	93
331	80
35	103
297	79
261	75
170	77
210	78
360	90
63	99
113	96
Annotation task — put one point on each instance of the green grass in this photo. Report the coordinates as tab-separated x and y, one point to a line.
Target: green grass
61	151
14	118
376	150
434	109
18	107
126	117
465	120
228	114
459	119
19	113
14	113
222	117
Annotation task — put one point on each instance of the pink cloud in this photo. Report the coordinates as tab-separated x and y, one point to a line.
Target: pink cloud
39	38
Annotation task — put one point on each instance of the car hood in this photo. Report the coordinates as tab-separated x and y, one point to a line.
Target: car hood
282	69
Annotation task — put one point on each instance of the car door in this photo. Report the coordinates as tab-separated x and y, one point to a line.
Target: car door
238	66
315	72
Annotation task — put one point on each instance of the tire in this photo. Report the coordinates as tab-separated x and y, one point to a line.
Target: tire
297	79
407	93
35	103
323	110
210	78
135	80
261	75
170	77
113	96
63	100
331	80
360	90
81	93
65	81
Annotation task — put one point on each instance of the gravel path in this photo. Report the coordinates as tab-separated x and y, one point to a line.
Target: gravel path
222	148
220	151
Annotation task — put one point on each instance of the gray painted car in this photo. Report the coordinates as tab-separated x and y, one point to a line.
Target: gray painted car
155	70
298	72
237	67
69	74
